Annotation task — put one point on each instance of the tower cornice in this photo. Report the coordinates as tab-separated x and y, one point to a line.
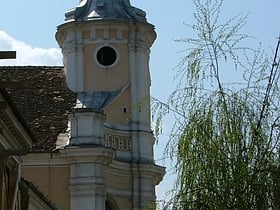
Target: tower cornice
135	33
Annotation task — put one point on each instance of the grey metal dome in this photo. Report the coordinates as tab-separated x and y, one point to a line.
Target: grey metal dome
105	9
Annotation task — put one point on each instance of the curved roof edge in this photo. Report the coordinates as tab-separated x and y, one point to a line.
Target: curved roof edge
105	9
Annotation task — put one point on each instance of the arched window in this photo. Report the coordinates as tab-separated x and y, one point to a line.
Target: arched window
108	206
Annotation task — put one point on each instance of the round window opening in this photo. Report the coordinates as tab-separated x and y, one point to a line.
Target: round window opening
106	56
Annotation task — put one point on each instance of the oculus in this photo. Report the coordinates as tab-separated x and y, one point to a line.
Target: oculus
106	56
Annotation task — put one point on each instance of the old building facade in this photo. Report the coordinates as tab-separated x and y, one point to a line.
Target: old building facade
15	141
91	119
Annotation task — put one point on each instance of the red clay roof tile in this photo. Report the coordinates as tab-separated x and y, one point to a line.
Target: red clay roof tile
42	98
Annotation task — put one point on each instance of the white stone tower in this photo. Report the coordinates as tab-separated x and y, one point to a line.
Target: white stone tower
106	46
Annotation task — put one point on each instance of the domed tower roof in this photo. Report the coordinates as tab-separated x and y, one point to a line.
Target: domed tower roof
105	9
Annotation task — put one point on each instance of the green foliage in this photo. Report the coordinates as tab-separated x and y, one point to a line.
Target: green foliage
225	136
151	206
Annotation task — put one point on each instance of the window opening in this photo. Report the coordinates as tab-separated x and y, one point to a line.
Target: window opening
106	56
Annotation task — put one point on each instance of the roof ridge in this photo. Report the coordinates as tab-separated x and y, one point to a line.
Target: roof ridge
31	67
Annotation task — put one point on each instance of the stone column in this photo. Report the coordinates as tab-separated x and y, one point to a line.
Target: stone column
87	186
87	176
88	157
142	137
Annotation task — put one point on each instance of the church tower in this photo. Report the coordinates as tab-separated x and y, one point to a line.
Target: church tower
106	46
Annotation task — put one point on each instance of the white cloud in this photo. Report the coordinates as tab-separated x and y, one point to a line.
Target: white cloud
28	55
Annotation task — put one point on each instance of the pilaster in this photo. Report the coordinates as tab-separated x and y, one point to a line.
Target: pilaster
87	176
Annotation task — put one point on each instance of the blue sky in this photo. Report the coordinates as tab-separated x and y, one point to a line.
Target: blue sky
29	27
34	23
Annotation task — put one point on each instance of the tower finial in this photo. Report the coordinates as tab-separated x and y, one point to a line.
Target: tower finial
105	9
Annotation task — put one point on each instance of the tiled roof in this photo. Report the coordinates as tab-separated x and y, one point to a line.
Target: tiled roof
42	98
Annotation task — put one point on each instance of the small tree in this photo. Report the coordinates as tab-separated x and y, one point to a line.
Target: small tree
226	135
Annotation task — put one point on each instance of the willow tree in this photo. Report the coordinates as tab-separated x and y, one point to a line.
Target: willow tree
226	134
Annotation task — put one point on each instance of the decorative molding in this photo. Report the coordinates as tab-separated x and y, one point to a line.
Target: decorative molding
85	154
7	122
44	160
118	142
